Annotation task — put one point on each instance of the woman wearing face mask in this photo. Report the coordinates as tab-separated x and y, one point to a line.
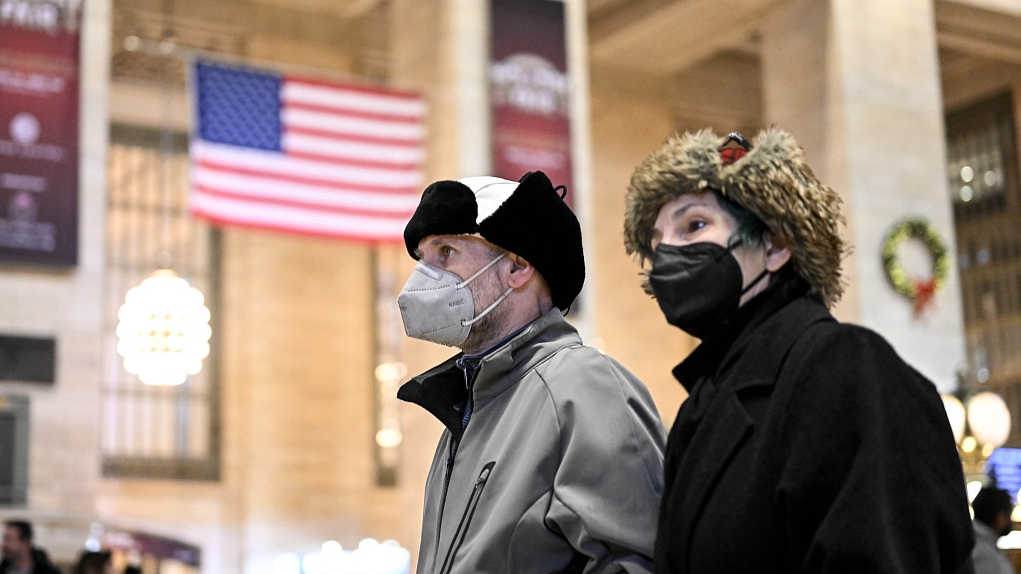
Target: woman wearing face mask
806	445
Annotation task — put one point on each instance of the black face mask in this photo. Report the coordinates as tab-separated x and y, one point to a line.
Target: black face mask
698	286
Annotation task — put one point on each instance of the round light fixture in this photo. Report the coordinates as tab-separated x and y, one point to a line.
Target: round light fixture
164	331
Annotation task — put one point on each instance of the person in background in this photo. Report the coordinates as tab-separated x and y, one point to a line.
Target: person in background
90	562
20	556
805	445
551	460
992	507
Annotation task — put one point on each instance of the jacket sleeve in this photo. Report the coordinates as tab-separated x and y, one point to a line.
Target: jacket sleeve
607	488
871	481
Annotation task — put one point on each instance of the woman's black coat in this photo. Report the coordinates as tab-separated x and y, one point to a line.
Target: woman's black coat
808	445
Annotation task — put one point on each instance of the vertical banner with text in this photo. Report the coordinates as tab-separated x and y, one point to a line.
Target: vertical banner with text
529	89
39	62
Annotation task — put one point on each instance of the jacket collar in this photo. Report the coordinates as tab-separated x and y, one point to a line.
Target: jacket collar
442	390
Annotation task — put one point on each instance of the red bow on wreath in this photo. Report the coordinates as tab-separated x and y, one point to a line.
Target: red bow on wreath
924	292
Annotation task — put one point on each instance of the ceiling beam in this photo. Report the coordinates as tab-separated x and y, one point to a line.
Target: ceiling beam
978	32
666	36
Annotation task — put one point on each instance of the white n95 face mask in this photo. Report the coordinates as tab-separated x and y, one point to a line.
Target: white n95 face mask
437	306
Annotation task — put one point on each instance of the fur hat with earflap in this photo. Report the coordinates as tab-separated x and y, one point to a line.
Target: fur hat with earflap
770	178
528	218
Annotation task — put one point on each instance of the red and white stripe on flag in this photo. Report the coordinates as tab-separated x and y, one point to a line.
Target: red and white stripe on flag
305	156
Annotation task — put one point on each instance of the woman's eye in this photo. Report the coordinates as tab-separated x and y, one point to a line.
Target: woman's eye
694	226
447	250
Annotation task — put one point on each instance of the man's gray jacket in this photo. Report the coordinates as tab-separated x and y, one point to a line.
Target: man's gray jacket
559	468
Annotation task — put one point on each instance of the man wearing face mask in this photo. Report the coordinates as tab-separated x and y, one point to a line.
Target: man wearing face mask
806	445
551	460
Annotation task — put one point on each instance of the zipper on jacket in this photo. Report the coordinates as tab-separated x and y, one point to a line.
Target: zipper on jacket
466	517
455	441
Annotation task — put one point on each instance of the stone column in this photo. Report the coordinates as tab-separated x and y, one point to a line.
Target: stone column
857	82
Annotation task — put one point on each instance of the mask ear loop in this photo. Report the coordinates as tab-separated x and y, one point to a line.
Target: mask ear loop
464	283
754	281
765	272
488	309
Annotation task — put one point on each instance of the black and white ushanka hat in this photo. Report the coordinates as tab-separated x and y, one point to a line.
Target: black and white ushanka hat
527	217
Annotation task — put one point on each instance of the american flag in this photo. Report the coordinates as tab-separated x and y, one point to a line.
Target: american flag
307	156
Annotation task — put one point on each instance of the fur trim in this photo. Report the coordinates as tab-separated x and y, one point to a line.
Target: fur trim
772	181
446	208
528	218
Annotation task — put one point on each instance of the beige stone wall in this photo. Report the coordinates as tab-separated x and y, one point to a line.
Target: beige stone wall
66	304
629	120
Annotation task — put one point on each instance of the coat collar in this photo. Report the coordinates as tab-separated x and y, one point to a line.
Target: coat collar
764	340
442	389
757	327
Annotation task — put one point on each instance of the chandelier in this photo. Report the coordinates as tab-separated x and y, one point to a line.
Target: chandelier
164	331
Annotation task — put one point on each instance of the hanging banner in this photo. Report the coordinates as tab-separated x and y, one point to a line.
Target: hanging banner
528	90
39	61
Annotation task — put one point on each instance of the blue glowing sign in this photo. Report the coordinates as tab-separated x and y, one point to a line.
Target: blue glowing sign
1005	466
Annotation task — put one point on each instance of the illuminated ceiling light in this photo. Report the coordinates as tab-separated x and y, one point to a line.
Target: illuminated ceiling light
164	331
391	372
163	326
132	43
980	424
389	376
989	418
389	437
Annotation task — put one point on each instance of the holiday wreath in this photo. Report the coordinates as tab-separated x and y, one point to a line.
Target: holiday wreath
917	290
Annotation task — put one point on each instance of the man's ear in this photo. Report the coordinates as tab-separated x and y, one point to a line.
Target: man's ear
521	271
776	254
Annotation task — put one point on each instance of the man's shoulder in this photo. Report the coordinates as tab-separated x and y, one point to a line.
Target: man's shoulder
581	360
582	374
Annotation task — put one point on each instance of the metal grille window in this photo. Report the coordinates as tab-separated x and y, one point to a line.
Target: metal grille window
156	432
13	450
982	171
